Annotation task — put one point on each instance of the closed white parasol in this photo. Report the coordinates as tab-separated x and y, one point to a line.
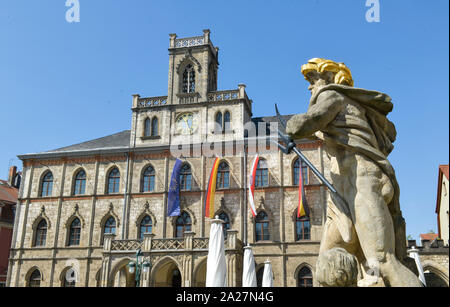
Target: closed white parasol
216	268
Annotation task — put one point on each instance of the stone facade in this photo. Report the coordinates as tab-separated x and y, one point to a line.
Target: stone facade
434	259
100	259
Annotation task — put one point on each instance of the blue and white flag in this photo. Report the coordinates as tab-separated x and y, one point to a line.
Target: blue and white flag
173	201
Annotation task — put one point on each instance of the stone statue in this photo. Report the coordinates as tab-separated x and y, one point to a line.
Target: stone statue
357	137
337	268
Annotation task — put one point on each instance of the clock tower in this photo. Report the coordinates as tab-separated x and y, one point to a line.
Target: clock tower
193	106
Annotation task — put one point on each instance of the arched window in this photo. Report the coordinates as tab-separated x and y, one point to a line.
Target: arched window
113	181
69	278
262	174
259	276
296	173
75	232
219	125
145	227
189	79
304	278
41	233
226	225
110	226
155	129
262	227
147	127
80	183
47	185
35	279
183	224
185	178
223	176
227	121
302	228
148	180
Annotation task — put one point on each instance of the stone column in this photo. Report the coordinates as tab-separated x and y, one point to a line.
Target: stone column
242	90
147	243
106	263
188	259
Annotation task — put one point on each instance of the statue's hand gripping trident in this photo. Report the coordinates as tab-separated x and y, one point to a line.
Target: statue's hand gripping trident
345	222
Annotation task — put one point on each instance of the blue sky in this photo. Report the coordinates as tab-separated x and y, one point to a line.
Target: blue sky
64	83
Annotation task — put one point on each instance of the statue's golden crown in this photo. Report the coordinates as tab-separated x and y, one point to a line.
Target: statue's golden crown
343	74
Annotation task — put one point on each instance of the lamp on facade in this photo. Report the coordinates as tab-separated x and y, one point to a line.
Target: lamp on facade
138	266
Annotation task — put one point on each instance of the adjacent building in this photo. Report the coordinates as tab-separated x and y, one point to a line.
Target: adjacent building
8	199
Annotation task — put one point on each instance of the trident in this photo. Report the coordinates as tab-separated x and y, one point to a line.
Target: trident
344	216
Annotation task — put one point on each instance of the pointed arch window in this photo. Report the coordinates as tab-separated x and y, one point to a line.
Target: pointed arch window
223	176
71	283
145	226
227	121
302	228
262	174
155	126
185	178
189	79
148	180
219	123
147	127
304	168
35	279
41	233
183	224
304	278
80	183
226	225
262	227
47	185
75	232
113	181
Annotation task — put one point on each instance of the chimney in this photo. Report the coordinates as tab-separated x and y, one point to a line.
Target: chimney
11	175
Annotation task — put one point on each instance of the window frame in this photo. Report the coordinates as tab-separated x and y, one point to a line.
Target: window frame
186	178
146	226
186	226
302	236
40	236
82	181
74	231
222	174
263	236
261	174
48	184
306	278
115	178
151	180
188	79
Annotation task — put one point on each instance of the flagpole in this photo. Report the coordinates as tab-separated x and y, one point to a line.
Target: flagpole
245	192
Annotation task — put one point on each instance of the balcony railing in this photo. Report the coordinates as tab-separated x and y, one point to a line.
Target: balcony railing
223	96
126	245
149	244
152	102
168	244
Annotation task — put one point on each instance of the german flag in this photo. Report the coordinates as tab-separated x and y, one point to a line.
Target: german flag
302	206
209	201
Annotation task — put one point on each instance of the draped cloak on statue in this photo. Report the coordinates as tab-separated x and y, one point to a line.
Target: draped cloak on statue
372	137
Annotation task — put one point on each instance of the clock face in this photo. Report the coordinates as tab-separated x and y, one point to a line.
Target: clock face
186	123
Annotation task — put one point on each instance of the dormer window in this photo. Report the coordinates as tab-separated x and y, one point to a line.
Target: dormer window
189	79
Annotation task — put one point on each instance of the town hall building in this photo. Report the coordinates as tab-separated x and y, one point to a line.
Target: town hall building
86	209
